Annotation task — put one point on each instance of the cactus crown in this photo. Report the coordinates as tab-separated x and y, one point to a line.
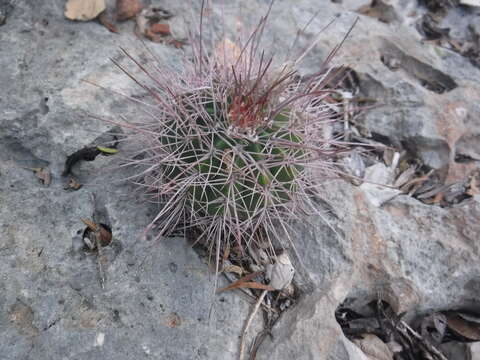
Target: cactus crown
237	144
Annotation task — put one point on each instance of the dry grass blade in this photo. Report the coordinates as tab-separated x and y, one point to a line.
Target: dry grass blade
245	282
247	285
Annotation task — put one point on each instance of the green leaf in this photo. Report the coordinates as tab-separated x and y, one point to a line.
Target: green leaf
106	150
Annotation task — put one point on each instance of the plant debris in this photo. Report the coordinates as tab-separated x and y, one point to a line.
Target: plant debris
84	10
245	282
43	175
461	37
72	184
127	9
107	21
95	234
419	340
152	23
86	154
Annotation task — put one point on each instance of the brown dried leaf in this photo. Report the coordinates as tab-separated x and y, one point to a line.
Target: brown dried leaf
469	317
43	174
248	284
465	328
90	224
127	9
240	281
234	269
160	29
417	180
177	44
226	252
105	236
433	192
173	320
73	184
474	186
84	10
405	176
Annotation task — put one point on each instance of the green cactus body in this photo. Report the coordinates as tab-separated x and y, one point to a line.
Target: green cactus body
260	178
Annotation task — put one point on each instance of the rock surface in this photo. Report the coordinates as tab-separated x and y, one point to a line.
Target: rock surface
158	297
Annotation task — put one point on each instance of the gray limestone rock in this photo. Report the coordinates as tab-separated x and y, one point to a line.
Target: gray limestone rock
158	297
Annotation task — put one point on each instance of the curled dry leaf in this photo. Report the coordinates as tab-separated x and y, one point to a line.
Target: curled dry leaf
127	9
245	282
72	184
43	174
233	269
433	327
173	320
84	10
281	273
465	328
160	29
474	184
405	176
100	231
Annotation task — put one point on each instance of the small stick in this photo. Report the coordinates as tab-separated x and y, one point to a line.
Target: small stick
248	323
427	345
101	273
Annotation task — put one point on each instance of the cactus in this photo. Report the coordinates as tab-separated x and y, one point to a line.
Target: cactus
237	144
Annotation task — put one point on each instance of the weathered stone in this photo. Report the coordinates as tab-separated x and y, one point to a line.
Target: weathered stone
157	297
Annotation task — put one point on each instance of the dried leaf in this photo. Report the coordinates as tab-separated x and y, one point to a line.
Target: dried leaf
248	284
84	10
127	9
173	320
417	183
177	44
107	151
281	273
436	190
475	3
467	329
473	186
105	20
244	282
405	176
160	29
433	327
90	224
226	252
104	235
468	317
73	184
43	174
234	269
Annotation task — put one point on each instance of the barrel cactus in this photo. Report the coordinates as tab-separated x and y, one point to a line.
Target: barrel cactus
237	143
